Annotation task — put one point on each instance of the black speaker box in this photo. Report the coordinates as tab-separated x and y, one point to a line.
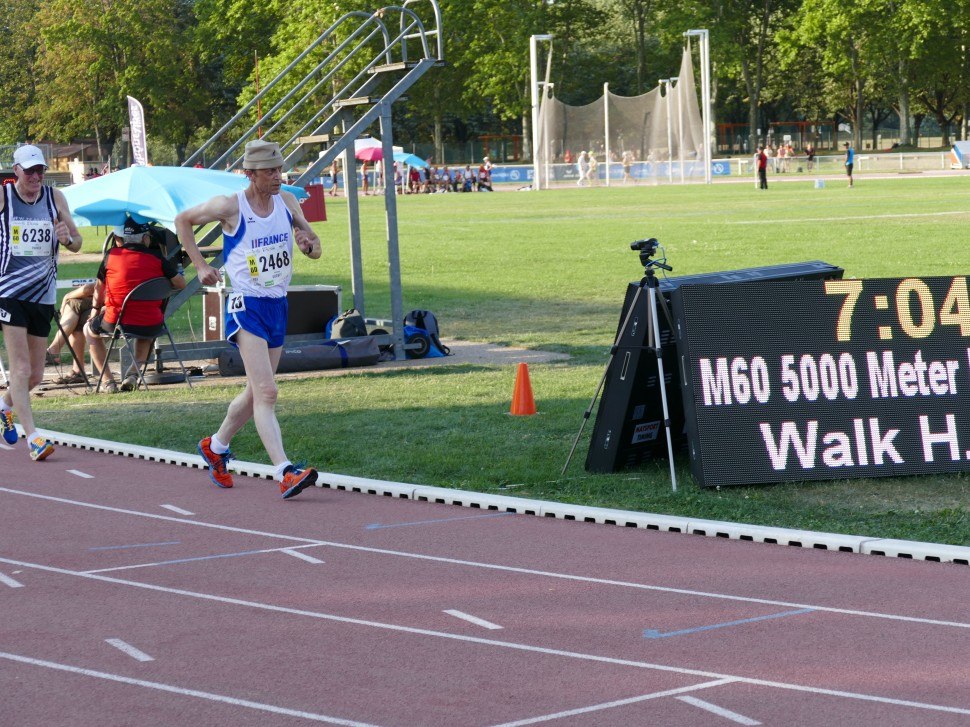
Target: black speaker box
629	428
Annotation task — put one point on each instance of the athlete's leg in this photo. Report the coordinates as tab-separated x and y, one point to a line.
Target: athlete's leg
20	354
258	399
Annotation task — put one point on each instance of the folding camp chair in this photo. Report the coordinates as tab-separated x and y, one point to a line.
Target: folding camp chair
156	289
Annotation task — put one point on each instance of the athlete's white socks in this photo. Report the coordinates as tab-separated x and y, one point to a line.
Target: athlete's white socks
216	446
280	468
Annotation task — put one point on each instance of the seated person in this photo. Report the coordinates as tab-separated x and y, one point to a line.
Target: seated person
125	267
485	175
75	309
414	180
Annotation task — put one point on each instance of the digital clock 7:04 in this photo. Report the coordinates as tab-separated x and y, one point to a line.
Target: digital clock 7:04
916	311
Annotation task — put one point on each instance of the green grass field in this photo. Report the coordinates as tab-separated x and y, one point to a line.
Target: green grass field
548	271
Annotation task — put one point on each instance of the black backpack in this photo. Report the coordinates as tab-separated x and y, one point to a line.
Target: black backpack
348	324
426	320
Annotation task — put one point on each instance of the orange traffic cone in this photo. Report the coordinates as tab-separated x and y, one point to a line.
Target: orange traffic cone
523	404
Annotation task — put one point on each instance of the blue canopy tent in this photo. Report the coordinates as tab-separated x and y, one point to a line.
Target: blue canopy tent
151	194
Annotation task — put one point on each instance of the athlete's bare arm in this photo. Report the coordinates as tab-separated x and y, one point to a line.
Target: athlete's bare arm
223	209
64	228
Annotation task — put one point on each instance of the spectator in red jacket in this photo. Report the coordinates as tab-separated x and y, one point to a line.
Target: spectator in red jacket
125	267
762	162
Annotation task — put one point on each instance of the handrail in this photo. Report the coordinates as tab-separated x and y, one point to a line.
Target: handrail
367	46
346	91
269	114
370	27
436	32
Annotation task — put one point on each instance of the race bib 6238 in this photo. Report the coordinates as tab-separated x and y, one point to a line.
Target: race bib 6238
32	238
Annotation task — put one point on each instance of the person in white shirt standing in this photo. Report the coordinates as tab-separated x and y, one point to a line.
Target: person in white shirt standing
260	226
34	221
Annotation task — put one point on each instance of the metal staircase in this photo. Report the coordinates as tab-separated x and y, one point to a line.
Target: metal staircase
336	89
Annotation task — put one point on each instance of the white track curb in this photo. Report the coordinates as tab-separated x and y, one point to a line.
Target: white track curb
564	511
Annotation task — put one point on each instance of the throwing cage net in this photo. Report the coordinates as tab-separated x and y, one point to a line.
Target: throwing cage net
657	136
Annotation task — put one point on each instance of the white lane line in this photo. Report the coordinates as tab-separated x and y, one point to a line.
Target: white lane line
498	567
179	510
198	558
134	653
472	619
515	646
849	219
719	711
611	705
301	556
8	581
79	473
134	545
181	691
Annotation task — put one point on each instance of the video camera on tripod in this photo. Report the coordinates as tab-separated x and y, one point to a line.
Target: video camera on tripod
648	248
648	288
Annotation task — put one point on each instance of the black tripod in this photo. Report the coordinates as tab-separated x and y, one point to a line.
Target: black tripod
649	282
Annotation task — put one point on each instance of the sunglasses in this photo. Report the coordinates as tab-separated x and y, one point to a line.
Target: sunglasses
37	171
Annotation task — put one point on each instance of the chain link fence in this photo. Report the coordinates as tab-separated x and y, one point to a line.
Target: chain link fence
888	163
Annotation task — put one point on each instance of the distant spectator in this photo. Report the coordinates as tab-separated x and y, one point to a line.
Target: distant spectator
761	162
378	176
849	161
582	167
334	178
485	175
627	166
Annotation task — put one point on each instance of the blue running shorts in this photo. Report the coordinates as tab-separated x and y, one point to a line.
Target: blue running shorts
263	317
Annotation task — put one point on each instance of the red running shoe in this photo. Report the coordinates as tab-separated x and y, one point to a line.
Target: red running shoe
218	472
295	480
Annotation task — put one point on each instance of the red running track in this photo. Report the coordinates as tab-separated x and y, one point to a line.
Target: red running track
133	592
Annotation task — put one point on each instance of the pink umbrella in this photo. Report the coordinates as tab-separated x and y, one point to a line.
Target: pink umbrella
370	154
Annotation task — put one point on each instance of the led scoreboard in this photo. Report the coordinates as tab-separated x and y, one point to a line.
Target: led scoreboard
812	380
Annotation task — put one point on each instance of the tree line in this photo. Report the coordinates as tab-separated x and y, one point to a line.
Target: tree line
68	65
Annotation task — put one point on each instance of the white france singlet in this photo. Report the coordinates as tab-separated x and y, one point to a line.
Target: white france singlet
259	254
